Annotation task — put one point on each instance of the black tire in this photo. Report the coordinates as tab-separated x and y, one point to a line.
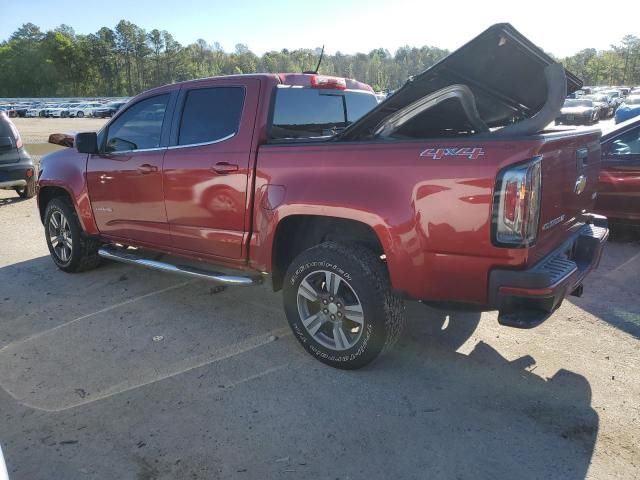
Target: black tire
362	273
84	249
29	191
80	114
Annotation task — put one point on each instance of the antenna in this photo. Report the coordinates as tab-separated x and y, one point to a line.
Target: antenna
319	61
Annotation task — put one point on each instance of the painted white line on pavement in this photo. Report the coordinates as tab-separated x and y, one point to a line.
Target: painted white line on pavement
178	368
88	315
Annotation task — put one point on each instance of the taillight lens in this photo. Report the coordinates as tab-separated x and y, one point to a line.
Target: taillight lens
517	205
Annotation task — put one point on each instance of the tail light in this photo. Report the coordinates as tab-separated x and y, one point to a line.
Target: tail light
324	81
516	208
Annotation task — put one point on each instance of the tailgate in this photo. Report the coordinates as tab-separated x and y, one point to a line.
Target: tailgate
570	168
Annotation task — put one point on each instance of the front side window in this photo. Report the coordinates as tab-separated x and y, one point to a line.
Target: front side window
140	127
627	144
210	114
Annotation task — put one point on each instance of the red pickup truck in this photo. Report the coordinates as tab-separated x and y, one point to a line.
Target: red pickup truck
451	191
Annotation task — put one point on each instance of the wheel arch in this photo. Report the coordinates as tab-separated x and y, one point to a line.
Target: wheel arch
298	232
48	193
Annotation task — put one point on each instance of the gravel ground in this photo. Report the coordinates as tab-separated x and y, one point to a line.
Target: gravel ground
131	374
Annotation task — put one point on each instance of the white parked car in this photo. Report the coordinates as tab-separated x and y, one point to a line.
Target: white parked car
37	111
83	110
63	110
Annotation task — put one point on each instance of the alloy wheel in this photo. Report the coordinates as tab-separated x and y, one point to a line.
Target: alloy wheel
60	236
330	310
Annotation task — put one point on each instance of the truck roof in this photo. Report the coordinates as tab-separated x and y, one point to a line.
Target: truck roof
310	80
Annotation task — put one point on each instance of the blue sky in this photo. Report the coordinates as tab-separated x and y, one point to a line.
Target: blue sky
561	28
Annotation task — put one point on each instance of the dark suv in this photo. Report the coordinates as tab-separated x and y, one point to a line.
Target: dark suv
17	171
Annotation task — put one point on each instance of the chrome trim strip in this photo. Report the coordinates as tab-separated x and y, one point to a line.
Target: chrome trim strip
174	147
122	152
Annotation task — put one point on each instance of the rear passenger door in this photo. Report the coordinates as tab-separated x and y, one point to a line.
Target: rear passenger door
207	164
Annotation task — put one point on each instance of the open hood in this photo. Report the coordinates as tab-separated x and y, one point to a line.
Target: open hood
497	79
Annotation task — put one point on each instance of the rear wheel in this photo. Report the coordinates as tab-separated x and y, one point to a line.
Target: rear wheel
29	191
70	249
80	114
340	306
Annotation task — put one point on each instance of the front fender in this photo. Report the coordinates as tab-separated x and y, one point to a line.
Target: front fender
66	170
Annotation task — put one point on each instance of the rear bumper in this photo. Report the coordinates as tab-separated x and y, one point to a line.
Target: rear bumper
16	174
525	298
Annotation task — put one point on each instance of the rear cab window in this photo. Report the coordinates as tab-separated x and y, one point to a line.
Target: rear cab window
300	112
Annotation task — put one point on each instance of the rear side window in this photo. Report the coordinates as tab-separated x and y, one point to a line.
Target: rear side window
210	114
306	112
627	144
5	128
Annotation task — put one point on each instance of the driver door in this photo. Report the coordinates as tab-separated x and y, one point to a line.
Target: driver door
125	179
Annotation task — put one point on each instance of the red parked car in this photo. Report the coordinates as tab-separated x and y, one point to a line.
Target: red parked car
449	191
619	181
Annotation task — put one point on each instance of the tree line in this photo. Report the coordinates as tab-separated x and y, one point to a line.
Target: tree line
127	59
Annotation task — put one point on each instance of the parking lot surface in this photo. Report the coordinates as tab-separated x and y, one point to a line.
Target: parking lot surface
132	374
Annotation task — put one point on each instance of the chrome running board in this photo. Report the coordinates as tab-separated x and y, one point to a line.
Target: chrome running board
128	256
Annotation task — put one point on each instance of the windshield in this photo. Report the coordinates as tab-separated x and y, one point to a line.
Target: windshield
306	112
633	100
578	103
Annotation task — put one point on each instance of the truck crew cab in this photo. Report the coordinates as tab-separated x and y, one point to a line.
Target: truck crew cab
451	190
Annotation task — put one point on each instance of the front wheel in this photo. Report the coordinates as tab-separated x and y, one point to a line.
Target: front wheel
70	248
340	306
80	114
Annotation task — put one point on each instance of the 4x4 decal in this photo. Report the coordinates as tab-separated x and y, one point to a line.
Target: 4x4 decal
472	153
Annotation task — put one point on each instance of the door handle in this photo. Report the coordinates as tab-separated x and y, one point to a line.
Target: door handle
224	167
146	168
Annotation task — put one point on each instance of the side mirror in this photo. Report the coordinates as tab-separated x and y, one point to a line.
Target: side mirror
87	142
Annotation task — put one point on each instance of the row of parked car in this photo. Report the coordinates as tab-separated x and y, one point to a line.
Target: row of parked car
79	109
592	104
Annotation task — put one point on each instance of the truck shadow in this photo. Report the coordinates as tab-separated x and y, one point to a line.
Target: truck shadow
612	292
508	421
